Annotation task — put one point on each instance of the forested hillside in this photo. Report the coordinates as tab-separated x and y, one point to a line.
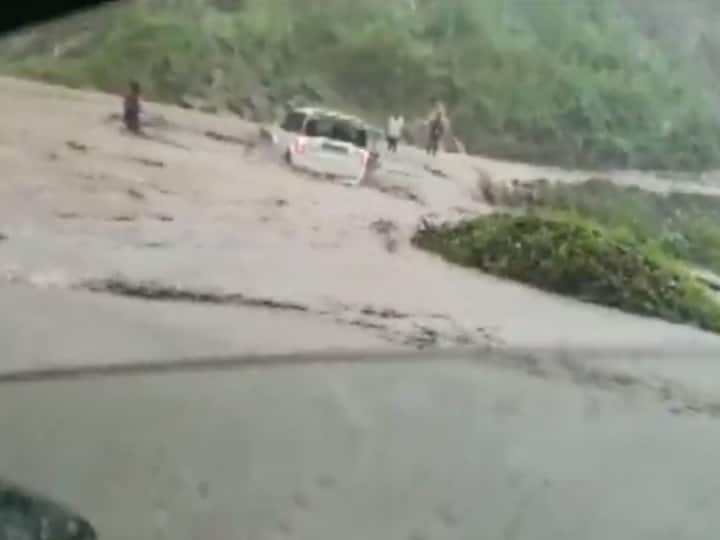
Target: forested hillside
575	82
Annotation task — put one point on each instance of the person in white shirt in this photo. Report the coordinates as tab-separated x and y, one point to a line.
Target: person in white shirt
394	131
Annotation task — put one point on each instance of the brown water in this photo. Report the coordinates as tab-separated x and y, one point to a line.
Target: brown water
79	200
409	452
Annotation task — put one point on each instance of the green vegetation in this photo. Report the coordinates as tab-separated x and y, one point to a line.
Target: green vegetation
567	255
568	82
685	226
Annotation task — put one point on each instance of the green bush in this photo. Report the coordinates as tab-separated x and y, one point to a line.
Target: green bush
569	256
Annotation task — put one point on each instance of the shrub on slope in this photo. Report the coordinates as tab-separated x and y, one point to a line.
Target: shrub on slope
572	257
683	225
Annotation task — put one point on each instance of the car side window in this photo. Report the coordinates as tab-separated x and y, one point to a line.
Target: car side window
333	129
319	127
350	134
353	135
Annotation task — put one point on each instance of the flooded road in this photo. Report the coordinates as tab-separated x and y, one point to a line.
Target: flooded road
81	203
319	452
117	250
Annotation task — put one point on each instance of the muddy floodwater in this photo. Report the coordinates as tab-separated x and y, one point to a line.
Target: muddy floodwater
382	451
115	250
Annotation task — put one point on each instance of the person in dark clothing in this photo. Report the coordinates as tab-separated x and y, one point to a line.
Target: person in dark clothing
131	108
437	129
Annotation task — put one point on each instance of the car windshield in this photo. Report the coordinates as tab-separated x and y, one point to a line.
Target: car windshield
334	269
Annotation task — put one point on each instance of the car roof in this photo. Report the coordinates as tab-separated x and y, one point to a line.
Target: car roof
336	115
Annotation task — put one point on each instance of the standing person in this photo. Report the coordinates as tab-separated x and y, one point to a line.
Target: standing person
131	108
437	130
394	131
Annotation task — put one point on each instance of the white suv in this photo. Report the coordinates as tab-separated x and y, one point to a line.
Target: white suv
328	143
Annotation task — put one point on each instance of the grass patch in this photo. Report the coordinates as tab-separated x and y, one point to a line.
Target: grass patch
573	257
